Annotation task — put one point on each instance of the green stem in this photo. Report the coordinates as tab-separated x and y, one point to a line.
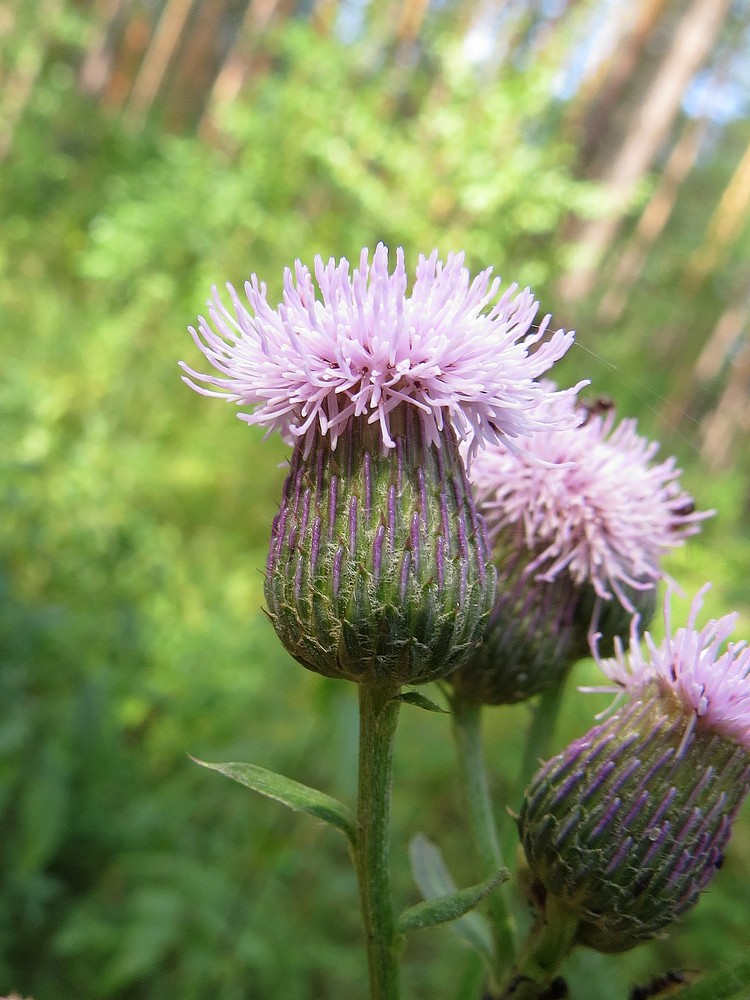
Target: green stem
544	717
548	944
378	716
473	775
539	735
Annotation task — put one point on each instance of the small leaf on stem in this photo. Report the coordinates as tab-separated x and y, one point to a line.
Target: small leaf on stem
421	701
444	903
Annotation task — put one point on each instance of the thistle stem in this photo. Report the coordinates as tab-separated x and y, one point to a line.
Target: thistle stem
548	944
473	775
542	724
539	733
378	716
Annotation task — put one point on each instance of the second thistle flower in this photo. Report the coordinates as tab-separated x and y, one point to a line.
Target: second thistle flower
379	568
579	520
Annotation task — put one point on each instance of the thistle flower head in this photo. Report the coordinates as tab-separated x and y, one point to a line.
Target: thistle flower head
360	346
708	676
578	519
628	825
588	501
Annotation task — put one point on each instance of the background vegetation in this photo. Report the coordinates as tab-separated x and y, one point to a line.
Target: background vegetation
153	149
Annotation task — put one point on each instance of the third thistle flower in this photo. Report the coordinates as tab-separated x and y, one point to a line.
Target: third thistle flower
626	827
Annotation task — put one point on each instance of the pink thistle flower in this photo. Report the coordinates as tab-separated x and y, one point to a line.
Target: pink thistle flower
587	500
628	825
363	347
709	677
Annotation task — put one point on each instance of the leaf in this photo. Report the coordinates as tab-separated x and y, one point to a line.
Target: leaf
726	984
443	909
291	793
444	903
421	701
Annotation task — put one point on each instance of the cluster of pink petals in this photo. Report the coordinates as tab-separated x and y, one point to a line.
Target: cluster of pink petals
364	347
588	501
709	676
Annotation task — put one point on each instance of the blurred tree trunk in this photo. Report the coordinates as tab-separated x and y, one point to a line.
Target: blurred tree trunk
98	64
730	421
724	227
653	219
156	60
648	124
196	68
633	31
128	56
726	335
726	224
410	18
324	14
243	58
28	59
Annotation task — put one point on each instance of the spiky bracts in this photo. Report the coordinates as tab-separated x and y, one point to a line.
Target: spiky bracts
531	638
629	824
379	567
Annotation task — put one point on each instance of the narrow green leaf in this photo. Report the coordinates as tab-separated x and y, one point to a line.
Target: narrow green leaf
291	793
727	984
444	903
421	701
443	909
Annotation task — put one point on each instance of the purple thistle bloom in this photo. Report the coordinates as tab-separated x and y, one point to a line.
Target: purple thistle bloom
709	677
451	349
587	501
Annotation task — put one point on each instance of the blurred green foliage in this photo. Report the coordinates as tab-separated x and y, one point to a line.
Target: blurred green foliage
135	517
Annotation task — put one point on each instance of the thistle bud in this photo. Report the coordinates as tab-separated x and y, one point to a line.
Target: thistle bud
628	825
531	639
379	567
579	519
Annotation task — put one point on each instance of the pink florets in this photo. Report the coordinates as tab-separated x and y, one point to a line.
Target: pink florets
588	501
709	678
365	347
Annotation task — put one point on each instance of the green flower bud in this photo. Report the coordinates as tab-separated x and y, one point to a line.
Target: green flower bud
531	640
538	629
378	569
